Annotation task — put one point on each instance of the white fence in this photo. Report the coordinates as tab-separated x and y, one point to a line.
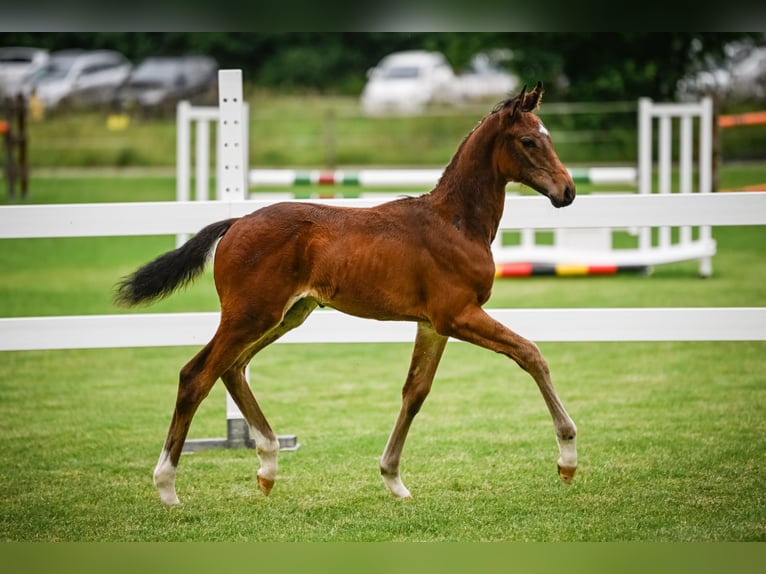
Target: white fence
685	116
327	326
126	219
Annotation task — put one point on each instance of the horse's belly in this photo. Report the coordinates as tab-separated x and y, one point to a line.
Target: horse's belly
384	291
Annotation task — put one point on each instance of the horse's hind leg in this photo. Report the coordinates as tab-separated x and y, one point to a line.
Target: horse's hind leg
266	442
196	379
429	347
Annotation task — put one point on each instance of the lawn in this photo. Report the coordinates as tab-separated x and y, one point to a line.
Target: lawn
670	434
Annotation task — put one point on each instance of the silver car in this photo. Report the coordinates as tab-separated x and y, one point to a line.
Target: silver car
17	62
78	78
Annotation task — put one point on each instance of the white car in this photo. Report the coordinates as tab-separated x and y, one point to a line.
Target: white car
407	82
81	78
17	62
742	76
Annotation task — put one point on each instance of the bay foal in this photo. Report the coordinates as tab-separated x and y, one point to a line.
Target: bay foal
424	259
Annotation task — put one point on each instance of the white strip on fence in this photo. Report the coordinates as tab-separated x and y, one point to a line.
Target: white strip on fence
327	326
170	218
410	178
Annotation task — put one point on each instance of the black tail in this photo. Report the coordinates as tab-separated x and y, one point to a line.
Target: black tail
172	270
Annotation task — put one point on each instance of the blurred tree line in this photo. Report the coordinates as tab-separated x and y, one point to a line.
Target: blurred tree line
574	66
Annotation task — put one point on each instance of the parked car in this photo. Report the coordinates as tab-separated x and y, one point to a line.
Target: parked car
16	62
742	76
407	82
159	83
486	77
78	78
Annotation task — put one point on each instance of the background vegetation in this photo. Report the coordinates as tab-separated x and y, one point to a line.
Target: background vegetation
600	66
303	92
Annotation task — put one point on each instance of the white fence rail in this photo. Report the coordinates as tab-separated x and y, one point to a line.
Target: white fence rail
326	326
170	218
87	220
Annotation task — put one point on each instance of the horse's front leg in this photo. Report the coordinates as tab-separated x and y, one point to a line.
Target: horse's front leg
429	347
475	326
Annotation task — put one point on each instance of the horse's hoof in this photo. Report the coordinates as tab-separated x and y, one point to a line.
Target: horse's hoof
566	473
266	485
170	500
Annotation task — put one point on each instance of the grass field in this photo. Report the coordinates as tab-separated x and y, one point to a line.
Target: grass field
671	435
311	130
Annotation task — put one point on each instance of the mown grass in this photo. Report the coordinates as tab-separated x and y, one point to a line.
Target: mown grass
670	441
670	434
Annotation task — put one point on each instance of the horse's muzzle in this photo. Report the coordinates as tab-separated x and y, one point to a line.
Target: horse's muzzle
565	198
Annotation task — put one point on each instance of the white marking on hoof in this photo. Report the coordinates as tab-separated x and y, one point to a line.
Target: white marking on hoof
165	480
268	453
395	486
567	462
568	451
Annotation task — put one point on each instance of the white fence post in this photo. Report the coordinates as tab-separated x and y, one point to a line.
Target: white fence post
183	158
706	176
202	167
188	116
232	132
687	247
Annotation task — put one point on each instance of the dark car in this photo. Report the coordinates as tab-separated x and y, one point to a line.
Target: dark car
159	83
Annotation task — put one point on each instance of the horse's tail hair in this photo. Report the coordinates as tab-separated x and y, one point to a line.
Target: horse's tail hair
170	271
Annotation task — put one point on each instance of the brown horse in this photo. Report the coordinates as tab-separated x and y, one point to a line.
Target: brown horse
425	259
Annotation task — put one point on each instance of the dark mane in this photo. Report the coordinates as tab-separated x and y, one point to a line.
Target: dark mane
504	104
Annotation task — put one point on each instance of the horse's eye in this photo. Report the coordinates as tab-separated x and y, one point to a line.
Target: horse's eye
528	143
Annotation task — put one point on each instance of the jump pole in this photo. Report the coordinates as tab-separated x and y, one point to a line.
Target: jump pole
409	177
232	174
511	270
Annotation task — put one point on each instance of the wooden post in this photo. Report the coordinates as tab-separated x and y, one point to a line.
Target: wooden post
21	142
15	137
7	126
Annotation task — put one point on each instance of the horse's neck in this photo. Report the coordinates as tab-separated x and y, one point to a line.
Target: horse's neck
469	192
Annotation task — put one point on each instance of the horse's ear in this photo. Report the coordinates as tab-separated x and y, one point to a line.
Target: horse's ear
518	103
532	99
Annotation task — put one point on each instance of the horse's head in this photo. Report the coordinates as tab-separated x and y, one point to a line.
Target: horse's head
525	152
